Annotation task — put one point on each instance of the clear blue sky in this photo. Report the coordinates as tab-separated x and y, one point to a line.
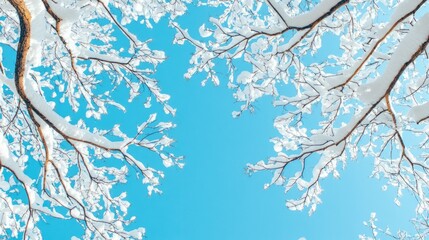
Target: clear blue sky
212	197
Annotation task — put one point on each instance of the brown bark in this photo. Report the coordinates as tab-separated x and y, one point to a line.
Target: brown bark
23	45
20	68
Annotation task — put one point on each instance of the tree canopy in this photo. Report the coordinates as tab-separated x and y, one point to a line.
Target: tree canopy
350	75
69	52
368	96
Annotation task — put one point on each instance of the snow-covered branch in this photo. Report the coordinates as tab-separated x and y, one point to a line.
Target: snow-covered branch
80	53
355	71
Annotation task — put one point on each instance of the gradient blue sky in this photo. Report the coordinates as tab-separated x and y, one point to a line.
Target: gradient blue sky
212	197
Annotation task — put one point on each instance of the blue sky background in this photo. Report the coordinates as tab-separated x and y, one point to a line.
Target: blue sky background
212	197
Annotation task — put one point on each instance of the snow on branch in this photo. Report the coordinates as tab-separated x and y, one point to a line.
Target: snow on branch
76	54
355	71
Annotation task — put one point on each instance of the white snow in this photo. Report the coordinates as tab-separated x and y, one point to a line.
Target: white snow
403	9
306	18
419	112
418	35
